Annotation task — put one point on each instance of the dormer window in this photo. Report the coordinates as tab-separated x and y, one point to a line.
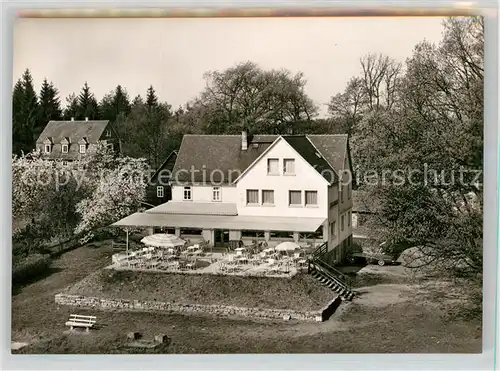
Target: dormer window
65	145
47	145
82	145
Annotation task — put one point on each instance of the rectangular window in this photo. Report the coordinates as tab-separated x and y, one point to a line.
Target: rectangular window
47	148
83	148
311	198
267	197
342	223
252	197
348	218
216	194
341	192
64	148
349	191
289	166
65	163
187	194
111	147
272	166
295	198
160	192
332	228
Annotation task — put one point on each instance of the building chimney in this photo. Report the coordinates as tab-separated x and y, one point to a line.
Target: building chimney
72	119
86	119
244	141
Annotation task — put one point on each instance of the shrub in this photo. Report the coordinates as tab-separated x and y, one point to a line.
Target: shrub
30	267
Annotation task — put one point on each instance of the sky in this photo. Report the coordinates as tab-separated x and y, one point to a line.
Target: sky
173	53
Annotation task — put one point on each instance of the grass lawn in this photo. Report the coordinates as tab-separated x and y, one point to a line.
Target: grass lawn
385	317
300	292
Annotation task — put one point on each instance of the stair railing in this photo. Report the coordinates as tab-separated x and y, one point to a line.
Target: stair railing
320	250
331	271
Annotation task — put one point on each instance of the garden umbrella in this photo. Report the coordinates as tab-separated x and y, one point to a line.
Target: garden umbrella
287	247
163	240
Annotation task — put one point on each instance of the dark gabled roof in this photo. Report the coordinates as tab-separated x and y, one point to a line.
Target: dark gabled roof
333	147
221	153
75	130
164	164
304	147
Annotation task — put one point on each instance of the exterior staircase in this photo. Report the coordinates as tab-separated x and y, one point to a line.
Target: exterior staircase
328	275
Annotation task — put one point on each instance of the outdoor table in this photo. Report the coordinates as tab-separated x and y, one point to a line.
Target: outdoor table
133	263
153	264
242	259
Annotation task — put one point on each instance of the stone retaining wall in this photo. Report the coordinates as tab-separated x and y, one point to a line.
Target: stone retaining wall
219	310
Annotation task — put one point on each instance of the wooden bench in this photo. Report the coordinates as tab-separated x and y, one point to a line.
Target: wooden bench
76	320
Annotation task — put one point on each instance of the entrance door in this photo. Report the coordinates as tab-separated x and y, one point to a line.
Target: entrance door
221	238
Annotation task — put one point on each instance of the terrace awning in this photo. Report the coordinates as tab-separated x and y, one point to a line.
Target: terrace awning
195	208
236	222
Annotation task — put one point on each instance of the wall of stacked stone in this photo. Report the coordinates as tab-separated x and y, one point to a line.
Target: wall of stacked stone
116	267
220	310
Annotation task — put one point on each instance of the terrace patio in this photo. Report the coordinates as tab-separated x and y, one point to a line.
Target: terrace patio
285	259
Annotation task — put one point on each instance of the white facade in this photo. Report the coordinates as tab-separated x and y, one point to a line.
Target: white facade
204	193
266	180
304	178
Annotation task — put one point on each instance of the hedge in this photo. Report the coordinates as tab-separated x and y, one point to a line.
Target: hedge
30	267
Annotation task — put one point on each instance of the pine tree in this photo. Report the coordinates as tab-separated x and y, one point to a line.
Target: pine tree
49	107
114	103
17	116
24	115
151	98
87	105
71	107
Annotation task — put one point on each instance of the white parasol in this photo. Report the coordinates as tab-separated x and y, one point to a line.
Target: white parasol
287	246
163	240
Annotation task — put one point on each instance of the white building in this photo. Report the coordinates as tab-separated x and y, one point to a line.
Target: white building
232	187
